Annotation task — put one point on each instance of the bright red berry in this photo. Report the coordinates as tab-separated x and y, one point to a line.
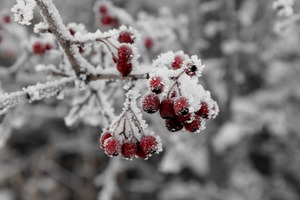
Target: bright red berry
194	125
173	125
128	149
112	146
177	63
124	53
181	106
139	151
204	110
166	110
124	68
106	20
38	48
126	37
103	9
156	84
149	43
149	144
150	103
103	137
191	70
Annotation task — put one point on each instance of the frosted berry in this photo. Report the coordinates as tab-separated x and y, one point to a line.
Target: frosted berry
103	9
124	68
139	151
106	20
150	103
149	144
194	125
124	53
177	63
148	43
48	46
181	106
126	37
185	118
191	70
103	137
38	48
156	85
129	149
166	110
204	110
173	125
112	146
71	31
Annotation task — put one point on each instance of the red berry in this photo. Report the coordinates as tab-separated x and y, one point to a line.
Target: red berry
112	146
203	111
103	9
150	103
6	19
128	149
38	48
126	37
139	151
166	109
156	85
177	63
185	118
191	70
106	20
80	49
148	144
148	43
72	32
124	68
181	106
173	125
124	53
103	137
48	46
194	125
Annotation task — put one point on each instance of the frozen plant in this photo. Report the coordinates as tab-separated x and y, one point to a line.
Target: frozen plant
91	63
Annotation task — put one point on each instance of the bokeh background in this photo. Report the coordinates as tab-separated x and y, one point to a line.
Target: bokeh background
249	152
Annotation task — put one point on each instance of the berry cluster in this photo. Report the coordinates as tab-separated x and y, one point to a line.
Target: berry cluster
39	47
73	29
128	135
176	94
106	15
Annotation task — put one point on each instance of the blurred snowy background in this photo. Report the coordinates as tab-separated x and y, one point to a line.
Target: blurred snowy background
250	152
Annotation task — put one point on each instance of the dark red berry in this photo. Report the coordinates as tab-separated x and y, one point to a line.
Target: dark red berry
177	63
124	68
6	19
194	125
80	49
191	70
112	146
150	103
204	110
167	109
156	84
148	43
181	106
185	118
129	149
139	151
106	20
103	9
115	22
173	125
103	137
72	32
38	48
149	144
126	37
48	46
124	53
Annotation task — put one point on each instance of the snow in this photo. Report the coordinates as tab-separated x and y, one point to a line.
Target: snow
23	11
